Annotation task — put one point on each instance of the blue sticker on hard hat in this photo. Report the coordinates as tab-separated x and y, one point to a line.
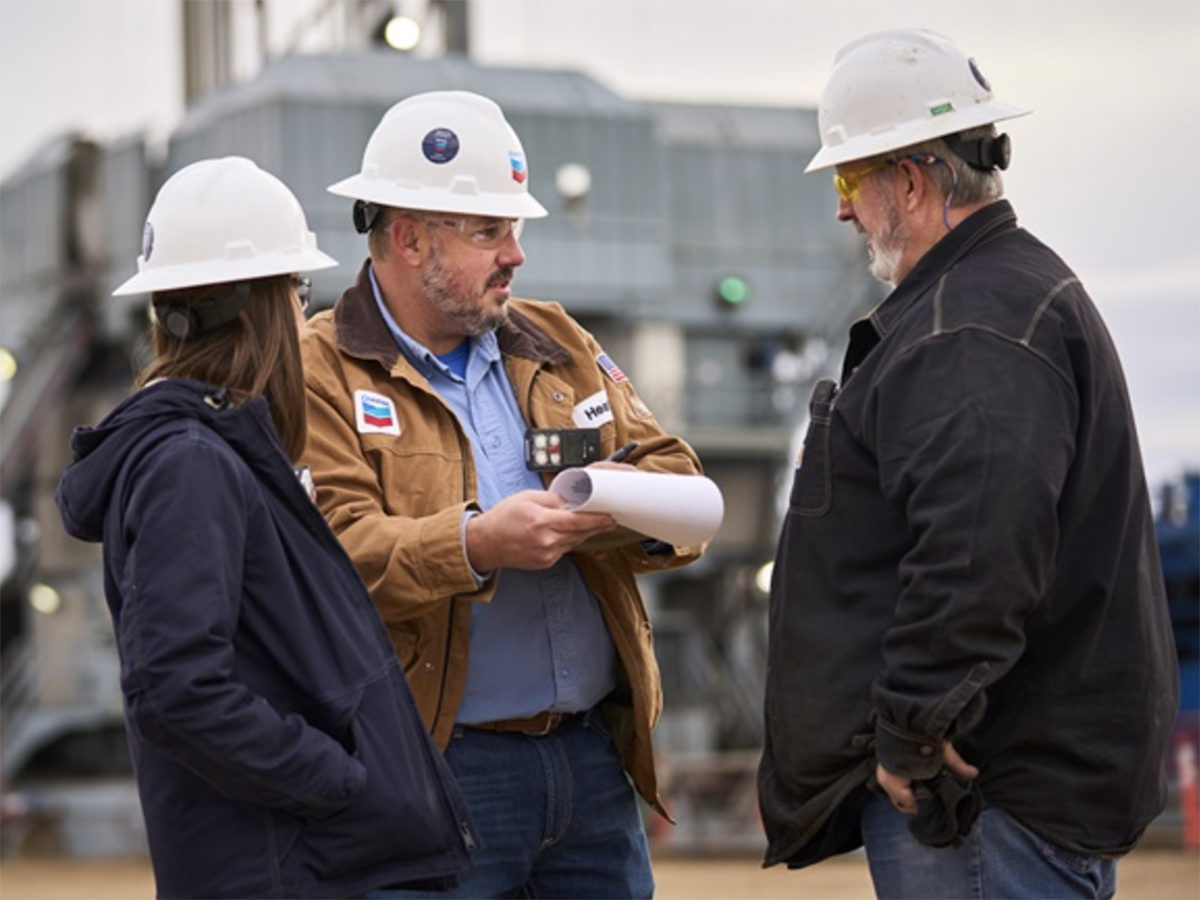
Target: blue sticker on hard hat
983	82
440	145
516	160
147	241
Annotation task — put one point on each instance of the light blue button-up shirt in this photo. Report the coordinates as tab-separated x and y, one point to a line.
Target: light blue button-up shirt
541	643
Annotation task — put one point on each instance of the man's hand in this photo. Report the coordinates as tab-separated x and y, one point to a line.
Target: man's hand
899	789
529	530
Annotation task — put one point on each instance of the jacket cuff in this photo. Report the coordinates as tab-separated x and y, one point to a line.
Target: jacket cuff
480	580
905	754
441	553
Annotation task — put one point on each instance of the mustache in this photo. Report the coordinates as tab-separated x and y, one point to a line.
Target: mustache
501	276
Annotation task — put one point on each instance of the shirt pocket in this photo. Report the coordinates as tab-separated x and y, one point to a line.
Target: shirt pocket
812	489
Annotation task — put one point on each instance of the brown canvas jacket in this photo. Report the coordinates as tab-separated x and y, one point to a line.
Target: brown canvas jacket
397	501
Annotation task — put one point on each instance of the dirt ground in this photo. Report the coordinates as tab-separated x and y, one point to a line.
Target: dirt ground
1151	874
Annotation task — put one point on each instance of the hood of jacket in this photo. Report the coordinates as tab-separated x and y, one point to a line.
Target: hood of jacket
137	424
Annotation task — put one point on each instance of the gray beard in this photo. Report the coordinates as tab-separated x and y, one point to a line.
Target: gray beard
884	251
457	304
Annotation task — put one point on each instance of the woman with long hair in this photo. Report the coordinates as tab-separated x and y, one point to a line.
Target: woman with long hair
277	748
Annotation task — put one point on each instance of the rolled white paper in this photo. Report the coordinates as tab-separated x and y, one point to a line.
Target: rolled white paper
684	510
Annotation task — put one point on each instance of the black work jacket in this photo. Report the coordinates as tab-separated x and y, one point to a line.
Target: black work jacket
969	555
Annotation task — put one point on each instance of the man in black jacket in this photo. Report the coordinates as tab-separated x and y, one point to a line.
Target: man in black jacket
972	670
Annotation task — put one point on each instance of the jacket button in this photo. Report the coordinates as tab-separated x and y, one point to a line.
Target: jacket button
558	396
927	750
428	667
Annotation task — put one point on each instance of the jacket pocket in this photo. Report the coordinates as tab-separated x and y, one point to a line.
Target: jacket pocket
410	819
812	489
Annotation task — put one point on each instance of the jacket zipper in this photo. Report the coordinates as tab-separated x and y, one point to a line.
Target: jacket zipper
468	838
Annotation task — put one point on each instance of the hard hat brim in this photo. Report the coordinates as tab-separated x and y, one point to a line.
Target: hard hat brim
866	146
195	274
503	206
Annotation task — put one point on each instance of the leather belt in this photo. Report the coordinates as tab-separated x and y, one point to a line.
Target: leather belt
542	723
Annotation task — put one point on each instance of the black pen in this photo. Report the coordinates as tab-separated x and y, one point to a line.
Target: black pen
623	452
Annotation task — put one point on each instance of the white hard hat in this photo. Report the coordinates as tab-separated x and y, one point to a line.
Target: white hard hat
445	151
897	88
221	220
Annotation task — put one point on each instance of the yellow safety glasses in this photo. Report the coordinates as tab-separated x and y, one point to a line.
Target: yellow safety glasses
849	184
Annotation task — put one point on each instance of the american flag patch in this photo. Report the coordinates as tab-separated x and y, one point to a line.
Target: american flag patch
613	370
375	413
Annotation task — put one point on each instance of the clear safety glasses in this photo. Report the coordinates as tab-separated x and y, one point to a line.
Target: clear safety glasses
303	286
484	232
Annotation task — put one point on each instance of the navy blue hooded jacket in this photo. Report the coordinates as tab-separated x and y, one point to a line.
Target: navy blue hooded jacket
277	748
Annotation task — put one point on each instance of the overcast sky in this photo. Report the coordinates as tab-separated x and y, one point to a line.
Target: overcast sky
1106	170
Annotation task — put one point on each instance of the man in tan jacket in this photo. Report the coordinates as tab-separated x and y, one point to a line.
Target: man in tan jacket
518	622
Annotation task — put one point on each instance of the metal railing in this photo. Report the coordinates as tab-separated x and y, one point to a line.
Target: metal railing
19	689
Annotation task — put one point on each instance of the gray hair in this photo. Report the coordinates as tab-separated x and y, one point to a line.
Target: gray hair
380	235
953	173
973	185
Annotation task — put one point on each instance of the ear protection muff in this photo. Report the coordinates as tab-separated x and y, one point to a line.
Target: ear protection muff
984	154
178	321
365	213
185	321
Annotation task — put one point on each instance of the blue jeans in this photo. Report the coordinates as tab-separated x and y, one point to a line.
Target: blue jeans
556	816
999	858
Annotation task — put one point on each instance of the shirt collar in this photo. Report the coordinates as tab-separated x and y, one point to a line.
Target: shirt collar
484	346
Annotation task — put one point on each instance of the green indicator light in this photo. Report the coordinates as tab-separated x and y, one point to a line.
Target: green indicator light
733	290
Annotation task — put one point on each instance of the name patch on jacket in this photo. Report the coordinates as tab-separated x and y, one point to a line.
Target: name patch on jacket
375	413
594	411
